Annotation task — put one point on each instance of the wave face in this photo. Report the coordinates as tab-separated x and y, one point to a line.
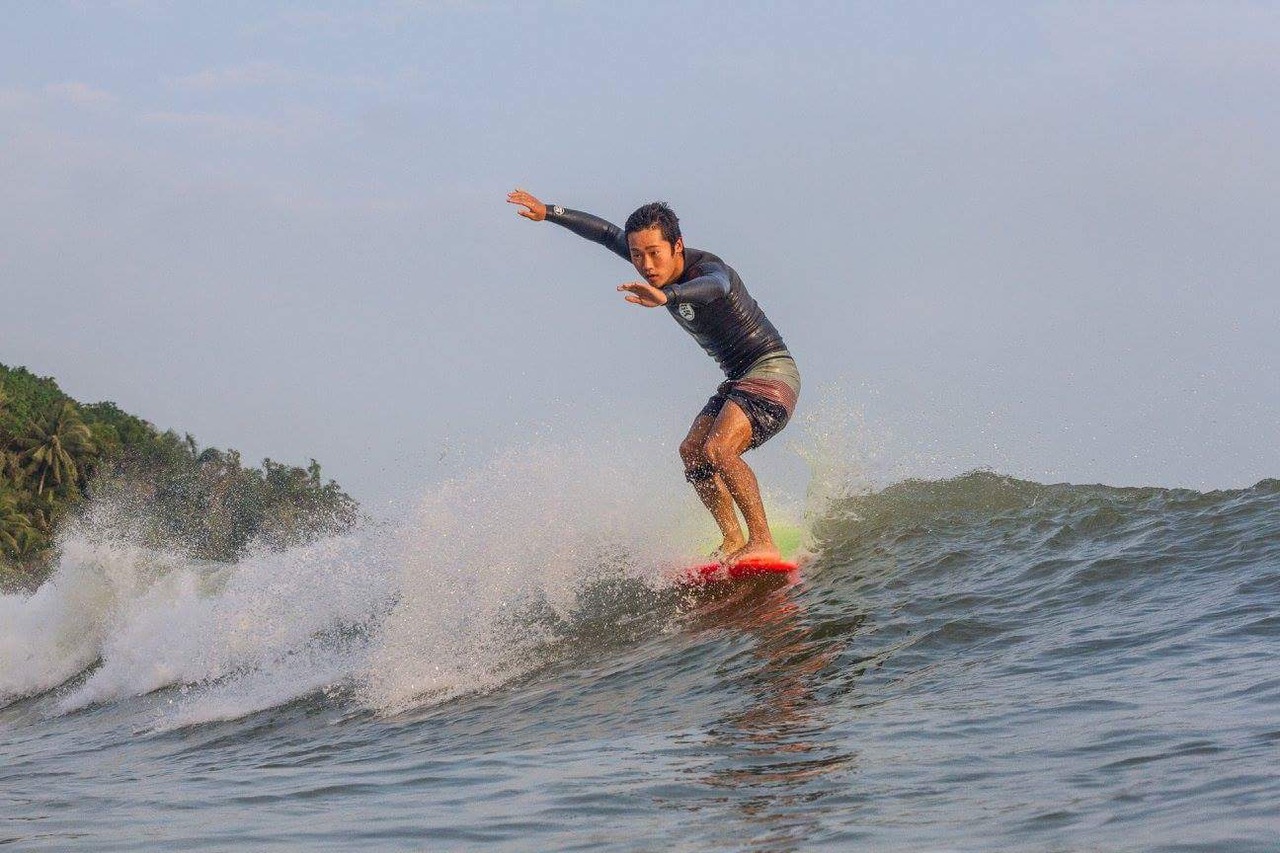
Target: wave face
976	663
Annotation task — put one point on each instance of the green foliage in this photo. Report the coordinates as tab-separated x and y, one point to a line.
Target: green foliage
114	430
56	447
18	534
27	398
54	452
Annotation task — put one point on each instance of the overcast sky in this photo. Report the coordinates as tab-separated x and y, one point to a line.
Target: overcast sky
1040	238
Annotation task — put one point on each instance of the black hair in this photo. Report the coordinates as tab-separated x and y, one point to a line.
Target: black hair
655	214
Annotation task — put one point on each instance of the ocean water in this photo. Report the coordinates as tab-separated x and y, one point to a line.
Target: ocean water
979	663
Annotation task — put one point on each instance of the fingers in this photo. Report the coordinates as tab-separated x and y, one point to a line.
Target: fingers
640	293
534	209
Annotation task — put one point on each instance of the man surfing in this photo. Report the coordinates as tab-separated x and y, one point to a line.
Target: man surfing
706	297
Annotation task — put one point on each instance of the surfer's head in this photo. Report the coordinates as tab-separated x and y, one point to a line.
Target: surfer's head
657	249
655	214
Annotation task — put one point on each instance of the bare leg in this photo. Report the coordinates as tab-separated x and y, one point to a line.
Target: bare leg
729	437
710	486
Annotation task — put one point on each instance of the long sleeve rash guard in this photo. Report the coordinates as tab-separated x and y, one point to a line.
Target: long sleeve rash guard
708	300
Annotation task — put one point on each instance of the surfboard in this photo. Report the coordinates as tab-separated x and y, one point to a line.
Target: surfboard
788	538
711	572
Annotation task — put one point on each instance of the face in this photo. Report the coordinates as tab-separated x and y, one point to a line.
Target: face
654	258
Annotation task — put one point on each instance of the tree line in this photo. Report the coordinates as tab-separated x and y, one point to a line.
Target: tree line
56	453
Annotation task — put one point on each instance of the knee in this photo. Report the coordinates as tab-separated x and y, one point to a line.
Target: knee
691	452
717	453
697	469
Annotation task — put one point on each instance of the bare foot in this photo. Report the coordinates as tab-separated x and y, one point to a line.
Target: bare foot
763	551
727	548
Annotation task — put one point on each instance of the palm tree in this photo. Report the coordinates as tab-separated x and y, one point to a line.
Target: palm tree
17	535
54	447
10	469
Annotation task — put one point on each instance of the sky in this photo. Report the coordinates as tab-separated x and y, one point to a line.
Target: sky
1039	238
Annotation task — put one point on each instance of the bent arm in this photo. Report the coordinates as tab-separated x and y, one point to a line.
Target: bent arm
708	287
592	228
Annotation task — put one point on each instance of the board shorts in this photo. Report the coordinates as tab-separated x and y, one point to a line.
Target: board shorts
766	393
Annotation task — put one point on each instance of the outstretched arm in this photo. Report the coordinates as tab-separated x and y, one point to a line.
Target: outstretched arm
533	209
585	225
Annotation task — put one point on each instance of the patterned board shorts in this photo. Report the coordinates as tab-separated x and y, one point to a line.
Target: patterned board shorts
766	393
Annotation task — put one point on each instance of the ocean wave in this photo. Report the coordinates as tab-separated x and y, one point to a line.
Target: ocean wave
522	564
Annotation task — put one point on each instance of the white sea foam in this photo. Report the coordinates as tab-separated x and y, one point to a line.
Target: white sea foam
403	613
529	526
152	620
48	637
270	607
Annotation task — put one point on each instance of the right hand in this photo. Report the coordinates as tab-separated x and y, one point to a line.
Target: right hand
643	293
534	209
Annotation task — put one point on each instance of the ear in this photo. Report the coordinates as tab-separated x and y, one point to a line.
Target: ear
678	247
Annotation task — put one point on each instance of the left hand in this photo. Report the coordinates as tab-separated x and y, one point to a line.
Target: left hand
533	209
643	293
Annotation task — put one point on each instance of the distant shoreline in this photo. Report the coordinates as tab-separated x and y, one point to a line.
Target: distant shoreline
56	453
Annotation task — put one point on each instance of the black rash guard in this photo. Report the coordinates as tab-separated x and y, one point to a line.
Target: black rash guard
708	299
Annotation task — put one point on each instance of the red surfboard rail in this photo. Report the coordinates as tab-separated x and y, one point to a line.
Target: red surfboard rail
708	572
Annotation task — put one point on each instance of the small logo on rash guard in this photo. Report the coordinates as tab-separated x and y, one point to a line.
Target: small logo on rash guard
685	310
